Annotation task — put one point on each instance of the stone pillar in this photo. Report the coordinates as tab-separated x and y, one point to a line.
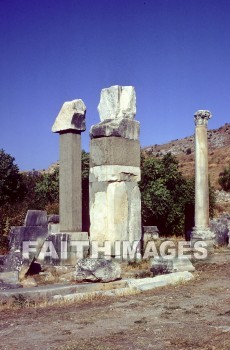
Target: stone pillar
201	231
69	123
115	204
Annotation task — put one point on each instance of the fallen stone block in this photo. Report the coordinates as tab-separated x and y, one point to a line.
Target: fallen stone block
97	270
161	266
160	281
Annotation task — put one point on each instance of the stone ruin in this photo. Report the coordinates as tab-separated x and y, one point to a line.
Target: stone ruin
115	203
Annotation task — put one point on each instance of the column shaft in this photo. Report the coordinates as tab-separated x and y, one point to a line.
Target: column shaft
201	177
70	182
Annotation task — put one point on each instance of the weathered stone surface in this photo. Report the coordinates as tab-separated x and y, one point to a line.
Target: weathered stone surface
127	128
152	230
36	218
201	230
160	281
114	151
97	270
53	218
161	266
202	116
19	234
71	117
135	215
115	212
117	102
10	277
70	190
221	229
108	173
149	233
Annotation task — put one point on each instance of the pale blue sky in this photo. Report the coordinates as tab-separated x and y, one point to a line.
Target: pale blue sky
176	53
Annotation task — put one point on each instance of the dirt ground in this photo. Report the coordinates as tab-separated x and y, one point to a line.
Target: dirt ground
193	315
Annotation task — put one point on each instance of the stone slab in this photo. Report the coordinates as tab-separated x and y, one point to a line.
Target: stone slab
129	129
177	264
9	277
36	218
49	291
114	151
160	281
109	173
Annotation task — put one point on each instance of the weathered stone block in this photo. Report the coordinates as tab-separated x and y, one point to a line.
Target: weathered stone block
71	117
115	213
36	218
97	270
117	102
160	281
161	266
127	128
108	173
10	277
114	151
221	230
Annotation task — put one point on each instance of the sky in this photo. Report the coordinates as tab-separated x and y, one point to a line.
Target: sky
176	53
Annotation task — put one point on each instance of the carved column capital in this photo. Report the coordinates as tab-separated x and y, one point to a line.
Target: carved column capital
201	117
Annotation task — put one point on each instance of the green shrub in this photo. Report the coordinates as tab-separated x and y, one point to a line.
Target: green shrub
224	179
167	197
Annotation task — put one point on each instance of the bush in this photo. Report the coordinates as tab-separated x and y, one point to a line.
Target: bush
224	179
167	197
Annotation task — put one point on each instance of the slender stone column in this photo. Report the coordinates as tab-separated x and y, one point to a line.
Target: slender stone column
201	230
69	123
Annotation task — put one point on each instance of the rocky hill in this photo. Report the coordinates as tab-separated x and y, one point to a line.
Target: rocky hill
183	149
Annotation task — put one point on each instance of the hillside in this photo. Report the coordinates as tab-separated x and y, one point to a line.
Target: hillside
183	149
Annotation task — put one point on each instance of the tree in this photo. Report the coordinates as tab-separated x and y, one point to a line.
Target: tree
167	197
224	179
11	184
47	189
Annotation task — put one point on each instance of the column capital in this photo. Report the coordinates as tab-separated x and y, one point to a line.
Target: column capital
71	117
201	117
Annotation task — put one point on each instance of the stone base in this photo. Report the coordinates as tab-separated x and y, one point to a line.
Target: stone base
70	246
203	234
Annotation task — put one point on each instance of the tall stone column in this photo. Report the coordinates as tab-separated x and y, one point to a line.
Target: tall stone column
201	231
115	204
70	123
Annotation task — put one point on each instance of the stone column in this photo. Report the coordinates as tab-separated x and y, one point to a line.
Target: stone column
115	205
201	231
70	123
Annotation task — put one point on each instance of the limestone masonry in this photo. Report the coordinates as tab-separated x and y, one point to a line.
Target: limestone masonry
115	204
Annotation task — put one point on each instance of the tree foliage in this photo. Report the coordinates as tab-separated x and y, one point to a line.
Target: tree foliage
224	179
11	185
167	197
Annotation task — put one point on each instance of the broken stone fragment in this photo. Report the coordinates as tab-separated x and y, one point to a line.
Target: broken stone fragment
97	270
71	117
127	128
161	265
117	102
